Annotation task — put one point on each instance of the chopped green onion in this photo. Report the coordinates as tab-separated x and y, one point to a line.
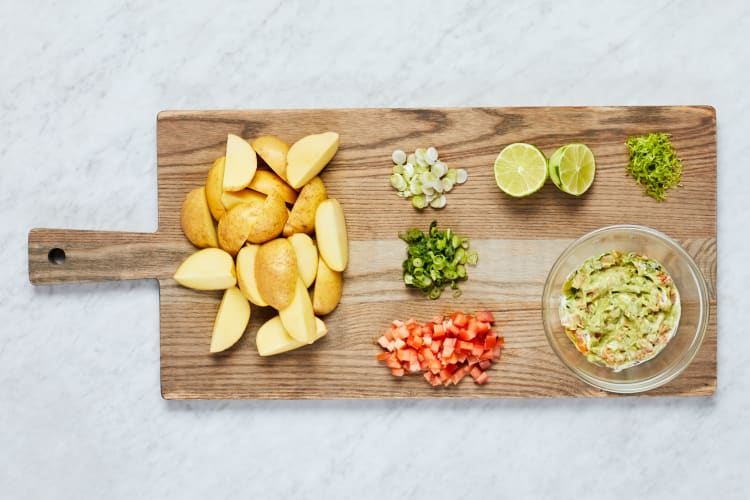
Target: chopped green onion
435	260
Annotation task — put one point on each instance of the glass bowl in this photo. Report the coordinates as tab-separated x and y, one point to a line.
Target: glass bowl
691	330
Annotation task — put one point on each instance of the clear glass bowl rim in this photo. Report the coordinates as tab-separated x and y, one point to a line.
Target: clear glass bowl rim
657	379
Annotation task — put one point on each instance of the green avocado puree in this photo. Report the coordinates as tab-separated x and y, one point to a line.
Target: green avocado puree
619	309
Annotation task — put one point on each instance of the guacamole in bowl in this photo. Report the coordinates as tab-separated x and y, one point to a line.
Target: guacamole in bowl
619	309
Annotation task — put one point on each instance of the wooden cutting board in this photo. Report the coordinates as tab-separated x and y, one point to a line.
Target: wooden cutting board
517	241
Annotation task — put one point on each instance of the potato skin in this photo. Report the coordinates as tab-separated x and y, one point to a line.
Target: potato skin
302	217
214	188
273	151
269	221
276	272
196	221
235	226
329	285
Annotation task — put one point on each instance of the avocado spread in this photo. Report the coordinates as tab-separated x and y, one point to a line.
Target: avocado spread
619	309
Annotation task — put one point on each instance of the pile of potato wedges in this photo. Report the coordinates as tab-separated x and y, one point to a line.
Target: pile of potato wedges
271	238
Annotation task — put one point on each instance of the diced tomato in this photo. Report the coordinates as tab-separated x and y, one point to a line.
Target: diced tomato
459	319
436	346
451	327
482	327
465	345
383	356
393	362
445	350
489	342
485	316
477	350
487	356
438	331
459	374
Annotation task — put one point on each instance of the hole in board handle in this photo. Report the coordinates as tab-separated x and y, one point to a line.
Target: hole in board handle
56	256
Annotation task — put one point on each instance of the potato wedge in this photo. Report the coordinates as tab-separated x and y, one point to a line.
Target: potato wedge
298	317
276	272
195	218
207	269
329	285
266	182
230	199
269	222
235	226
246	274
307	257
214	188
231	320
241	163
272	338
308	156
273	151
302	217
331	234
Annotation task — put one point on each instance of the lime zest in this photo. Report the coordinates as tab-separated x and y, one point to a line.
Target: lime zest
654	163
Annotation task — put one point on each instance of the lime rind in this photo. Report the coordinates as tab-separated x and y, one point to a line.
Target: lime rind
520	169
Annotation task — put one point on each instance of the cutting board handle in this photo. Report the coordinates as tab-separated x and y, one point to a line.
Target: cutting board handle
60	256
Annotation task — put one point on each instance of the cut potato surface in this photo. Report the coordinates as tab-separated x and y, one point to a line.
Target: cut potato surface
307	257
298	317
246	274
207	269
241	163
272	338
331	234
231	199
308	156
266	182
231	320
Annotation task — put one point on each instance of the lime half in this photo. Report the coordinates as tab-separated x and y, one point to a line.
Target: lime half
520	169
572	168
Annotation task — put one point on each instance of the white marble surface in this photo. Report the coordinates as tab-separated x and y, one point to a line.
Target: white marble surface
80	410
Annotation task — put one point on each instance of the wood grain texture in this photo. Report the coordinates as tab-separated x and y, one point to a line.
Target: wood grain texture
517	240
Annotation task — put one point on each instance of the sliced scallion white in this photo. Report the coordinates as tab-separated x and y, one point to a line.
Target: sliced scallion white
398	157
422	177
461	176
